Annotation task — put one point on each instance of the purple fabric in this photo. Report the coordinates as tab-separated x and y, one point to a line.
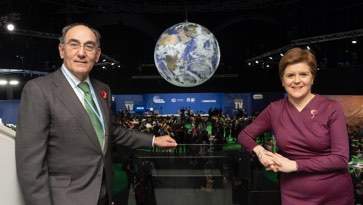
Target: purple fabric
317	138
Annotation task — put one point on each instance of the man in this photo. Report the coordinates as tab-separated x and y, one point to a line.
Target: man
63	138
357	179
357	176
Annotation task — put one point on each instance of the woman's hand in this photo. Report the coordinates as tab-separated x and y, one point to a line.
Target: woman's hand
266	158
282	164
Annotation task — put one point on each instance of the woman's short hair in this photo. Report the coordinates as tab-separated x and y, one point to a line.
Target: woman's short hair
298	55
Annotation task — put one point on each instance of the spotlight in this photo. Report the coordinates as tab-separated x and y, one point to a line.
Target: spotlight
354	41
270	58
308	47
14	82
10	27
281	54
3	82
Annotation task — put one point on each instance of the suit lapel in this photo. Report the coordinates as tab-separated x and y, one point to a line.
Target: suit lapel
66	94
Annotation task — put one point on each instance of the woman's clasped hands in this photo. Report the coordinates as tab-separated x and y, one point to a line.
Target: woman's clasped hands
274	161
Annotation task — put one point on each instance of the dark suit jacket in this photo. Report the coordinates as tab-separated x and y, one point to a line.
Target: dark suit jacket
58	156
356	179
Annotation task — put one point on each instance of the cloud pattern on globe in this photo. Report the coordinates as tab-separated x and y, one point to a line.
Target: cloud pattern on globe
187	54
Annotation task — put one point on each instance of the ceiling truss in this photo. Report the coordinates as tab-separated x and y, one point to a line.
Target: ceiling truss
307	41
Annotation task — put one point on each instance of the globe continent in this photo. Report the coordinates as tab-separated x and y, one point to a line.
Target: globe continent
187	54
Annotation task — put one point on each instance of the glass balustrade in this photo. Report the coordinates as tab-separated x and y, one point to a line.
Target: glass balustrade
192	174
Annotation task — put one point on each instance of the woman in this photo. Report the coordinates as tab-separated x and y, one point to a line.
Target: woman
311	134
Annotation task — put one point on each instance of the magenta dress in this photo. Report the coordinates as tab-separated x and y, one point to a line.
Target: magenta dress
317	139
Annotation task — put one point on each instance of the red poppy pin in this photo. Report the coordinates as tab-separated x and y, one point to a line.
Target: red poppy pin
103	94
313	113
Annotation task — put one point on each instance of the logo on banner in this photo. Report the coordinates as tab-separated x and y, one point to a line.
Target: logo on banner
209	101
238	104
174	100
129	105
191	100
157	99
257	96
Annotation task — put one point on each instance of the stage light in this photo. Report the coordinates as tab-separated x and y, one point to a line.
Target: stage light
354	41
308	47
10	27
281	54
249	63
270	58
256	62
3	82
14	82
7	22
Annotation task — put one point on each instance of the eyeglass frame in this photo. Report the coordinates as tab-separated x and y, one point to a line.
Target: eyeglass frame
76	45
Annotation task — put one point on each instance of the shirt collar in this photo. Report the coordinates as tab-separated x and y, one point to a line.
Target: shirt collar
72	77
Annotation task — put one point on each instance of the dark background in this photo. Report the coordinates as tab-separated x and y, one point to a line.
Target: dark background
244	30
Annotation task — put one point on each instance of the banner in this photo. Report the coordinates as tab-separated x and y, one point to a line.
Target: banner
129	104
238	104
171	103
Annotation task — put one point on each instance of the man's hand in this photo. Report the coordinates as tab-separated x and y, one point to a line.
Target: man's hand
165	141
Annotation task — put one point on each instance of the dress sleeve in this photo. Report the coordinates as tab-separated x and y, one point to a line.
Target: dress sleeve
338	157
247	137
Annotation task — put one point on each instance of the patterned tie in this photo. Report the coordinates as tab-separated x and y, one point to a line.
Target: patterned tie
88	102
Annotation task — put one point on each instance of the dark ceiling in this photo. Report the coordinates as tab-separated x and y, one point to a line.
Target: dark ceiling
244	30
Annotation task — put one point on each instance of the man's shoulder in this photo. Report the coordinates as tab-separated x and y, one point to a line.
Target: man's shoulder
44	82
45	78
100	84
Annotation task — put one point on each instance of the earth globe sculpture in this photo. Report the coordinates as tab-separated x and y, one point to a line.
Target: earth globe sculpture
187	54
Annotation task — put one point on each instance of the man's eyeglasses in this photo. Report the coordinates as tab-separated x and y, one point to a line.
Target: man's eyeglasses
89	47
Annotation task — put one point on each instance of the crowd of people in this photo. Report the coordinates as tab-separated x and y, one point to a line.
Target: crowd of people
189	129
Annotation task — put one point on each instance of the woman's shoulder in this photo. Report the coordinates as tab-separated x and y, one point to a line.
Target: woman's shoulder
324	100
326	103
279	103
276	106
